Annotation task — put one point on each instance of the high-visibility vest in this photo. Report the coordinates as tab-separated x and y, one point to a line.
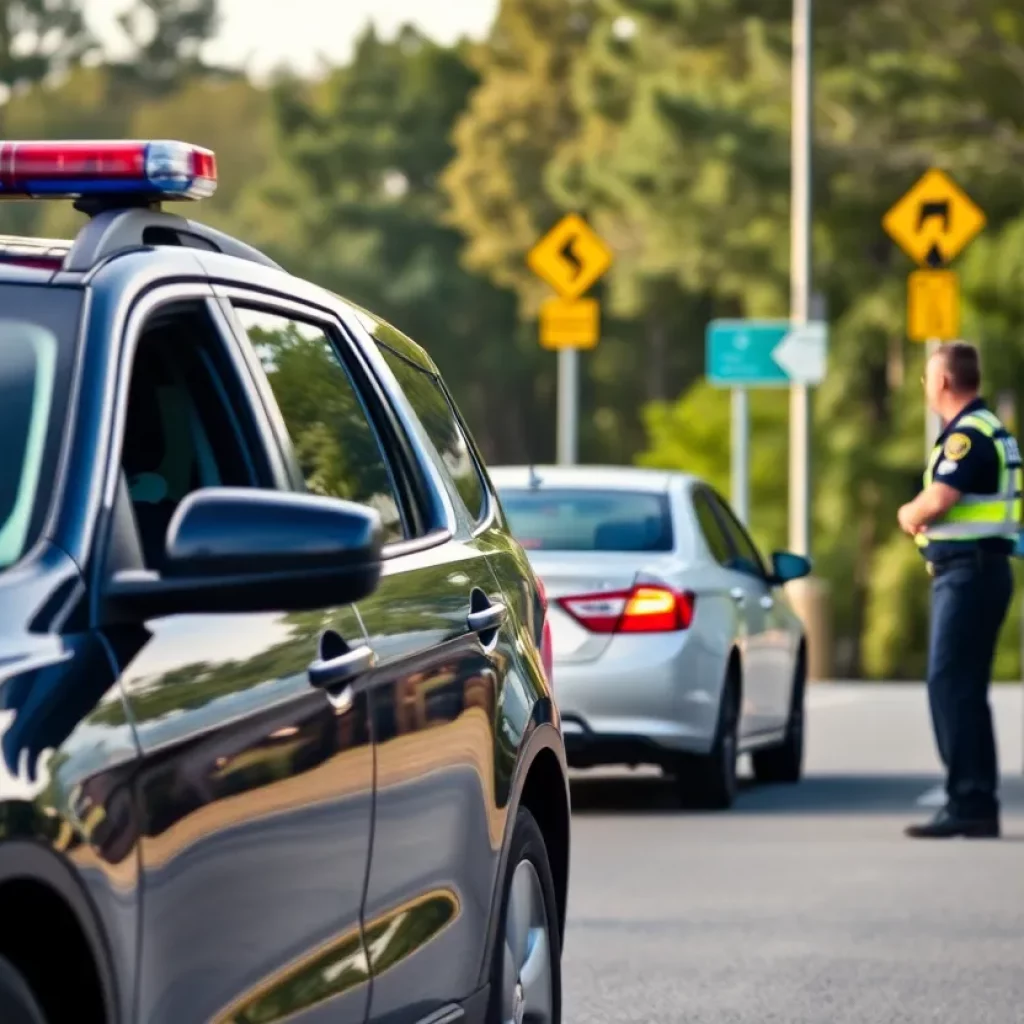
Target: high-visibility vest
976	516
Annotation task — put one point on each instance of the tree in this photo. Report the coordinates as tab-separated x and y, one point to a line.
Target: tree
522	112
353	203
683	156
167	37
693	435
39	38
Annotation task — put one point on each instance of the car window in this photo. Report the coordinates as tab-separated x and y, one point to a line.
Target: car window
37	338
578	519
335	443
711	528
180	431
435	413
747	557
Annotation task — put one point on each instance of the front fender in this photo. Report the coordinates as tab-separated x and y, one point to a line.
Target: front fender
542	734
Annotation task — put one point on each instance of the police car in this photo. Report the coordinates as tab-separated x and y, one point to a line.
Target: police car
277	733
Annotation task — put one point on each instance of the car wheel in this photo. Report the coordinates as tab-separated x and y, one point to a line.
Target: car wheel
526	978
785	763
709	781
17	1004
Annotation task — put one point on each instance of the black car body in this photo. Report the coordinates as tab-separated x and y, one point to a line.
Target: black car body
263	752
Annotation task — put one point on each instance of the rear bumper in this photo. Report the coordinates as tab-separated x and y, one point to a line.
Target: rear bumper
644	700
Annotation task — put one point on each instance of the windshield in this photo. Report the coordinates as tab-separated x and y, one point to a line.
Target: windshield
586	520
37	330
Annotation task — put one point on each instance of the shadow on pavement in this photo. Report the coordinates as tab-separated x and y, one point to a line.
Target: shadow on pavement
816	795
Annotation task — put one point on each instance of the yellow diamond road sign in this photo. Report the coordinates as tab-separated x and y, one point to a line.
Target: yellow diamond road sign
570	323
934	221
933	306
571	257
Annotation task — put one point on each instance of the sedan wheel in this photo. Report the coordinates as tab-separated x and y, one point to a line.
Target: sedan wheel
526	983
709	782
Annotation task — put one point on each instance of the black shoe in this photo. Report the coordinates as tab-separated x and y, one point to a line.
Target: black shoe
949	826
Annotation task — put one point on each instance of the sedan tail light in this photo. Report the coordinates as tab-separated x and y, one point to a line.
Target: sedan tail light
644	609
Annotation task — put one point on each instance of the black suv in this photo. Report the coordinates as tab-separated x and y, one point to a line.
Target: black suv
278	740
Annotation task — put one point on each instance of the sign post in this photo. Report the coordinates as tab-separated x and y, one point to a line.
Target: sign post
744	354
740	459
571	258
933	223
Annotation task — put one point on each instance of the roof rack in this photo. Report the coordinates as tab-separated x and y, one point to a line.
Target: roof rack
44	253
116	230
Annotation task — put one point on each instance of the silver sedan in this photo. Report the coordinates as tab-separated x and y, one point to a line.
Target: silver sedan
673	642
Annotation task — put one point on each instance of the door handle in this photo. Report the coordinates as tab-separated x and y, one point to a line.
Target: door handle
767	602
330	673
738	594
487	618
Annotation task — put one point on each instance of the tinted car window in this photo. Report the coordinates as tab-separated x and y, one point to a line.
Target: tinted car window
749	558
434	411
37	332
712	529
589	520
334	440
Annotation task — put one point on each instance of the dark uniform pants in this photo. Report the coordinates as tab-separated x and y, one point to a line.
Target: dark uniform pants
970	597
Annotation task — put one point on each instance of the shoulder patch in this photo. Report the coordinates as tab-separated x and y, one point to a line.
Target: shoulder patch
956	446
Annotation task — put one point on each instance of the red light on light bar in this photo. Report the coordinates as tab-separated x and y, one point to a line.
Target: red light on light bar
163	170
644	609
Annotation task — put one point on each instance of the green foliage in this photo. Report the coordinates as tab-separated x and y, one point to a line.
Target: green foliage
39	38
693	435
166	38
353	202
415	179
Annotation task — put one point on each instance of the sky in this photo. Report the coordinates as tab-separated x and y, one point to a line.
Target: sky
263	34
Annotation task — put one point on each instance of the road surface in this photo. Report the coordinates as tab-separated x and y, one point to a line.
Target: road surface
802	905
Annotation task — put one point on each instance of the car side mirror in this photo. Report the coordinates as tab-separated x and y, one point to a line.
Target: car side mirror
235	550
787	567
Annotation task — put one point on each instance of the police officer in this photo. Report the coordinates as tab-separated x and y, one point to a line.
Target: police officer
966	521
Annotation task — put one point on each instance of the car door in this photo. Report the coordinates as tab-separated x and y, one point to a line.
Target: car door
341	433
255	790
440	627
767	637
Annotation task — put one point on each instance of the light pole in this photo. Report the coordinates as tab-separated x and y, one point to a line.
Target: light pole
800	278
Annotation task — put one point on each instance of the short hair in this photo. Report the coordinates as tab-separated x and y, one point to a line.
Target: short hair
961	361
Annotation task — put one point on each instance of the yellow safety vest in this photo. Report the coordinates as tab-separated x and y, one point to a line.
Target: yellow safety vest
976	516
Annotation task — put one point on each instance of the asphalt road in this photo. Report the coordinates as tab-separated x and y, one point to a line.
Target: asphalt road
805	904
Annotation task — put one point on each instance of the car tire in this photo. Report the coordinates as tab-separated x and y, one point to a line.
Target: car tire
785	763
526	975
709	782
17	1003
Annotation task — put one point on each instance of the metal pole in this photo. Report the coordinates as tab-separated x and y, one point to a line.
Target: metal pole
932	423
800	277
568	405
741	454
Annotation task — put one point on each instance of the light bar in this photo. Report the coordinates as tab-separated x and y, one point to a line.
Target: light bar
161	170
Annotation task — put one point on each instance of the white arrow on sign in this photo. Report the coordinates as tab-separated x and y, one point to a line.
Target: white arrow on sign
801	353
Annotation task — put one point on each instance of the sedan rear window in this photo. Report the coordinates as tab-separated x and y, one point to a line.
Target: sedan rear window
589	520
37	330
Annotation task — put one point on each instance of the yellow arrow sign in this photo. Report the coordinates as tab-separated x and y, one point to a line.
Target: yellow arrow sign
935	221
933	306
571	257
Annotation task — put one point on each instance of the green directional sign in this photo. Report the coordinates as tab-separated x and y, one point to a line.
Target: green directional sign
765	353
